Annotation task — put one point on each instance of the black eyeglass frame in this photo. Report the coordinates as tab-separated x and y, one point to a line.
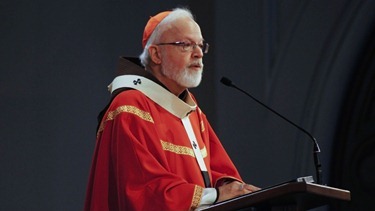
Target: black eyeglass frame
189	46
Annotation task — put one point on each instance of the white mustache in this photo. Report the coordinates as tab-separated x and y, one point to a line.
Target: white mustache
197	63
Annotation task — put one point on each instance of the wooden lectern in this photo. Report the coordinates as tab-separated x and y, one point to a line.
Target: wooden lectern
295	195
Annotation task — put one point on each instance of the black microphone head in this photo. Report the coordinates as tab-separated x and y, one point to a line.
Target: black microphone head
226	81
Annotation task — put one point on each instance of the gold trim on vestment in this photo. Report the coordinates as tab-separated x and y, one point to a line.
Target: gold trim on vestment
129	109
181	150
198	191
202	126
201	123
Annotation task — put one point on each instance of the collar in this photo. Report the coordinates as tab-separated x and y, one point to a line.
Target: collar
156	93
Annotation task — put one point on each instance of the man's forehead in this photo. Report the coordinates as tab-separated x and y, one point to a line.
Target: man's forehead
184	30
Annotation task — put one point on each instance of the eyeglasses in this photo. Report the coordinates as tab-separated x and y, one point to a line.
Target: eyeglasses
189	46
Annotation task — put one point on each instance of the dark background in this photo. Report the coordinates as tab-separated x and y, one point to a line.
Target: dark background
312	61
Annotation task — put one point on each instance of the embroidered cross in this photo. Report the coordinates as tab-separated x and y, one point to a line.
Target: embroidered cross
138	81
194	145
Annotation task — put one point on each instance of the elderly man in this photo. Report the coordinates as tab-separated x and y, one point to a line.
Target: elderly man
155	148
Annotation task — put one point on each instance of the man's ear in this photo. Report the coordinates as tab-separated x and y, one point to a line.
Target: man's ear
154	54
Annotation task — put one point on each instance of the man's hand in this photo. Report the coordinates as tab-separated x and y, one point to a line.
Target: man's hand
234	189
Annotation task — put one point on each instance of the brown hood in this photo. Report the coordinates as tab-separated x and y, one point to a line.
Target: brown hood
133	66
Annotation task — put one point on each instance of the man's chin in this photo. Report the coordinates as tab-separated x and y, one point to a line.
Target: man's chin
193	84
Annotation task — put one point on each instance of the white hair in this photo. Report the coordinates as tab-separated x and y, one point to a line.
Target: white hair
164	25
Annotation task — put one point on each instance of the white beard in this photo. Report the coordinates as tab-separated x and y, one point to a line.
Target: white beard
183	77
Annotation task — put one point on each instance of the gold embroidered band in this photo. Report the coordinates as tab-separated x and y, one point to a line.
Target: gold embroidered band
197	197
181	150
129	109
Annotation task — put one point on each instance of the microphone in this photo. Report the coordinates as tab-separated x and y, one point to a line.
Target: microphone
316	149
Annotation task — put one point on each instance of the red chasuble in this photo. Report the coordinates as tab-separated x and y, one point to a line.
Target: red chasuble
143	158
